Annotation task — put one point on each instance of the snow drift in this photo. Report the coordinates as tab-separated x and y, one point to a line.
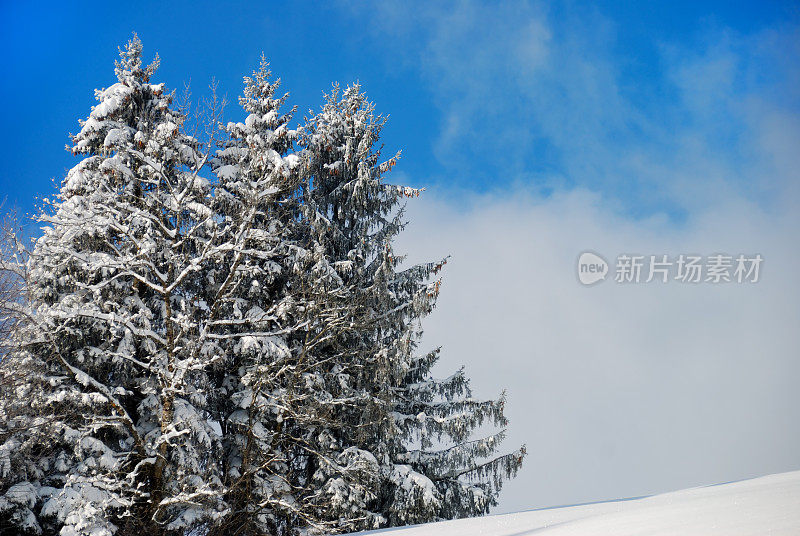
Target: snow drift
766	505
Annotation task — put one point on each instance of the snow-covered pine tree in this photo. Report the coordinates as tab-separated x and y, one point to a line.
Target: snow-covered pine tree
253	317
110	432
12	281
391	445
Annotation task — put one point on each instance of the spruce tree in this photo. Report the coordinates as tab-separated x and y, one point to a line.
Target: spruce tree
253	316
117	436
376	392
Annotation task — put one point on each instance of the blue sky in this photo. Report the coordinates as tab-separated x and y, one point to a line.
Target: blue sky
480	95
540	130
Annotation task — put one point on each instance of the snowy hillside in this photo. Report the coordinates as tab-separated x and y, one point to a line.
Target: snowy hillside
766	505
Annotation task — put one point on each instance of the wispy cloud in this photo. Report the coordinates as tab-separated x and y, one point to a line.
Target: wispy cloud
542	95
618	391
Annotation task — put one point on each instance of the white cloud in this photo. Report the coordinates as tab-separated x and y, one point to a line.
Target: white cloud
617	390
543	95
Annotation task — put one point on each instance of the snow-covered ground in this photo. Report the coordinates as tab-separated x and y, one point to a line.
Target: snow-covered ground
768	505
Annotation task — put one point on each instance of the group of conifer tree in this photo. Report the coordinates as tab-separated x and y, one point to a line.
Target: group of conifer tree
216	337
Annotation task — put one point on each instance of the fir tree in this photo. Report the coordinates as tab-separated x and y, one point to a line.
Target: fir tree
376	392
253	316
117	435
